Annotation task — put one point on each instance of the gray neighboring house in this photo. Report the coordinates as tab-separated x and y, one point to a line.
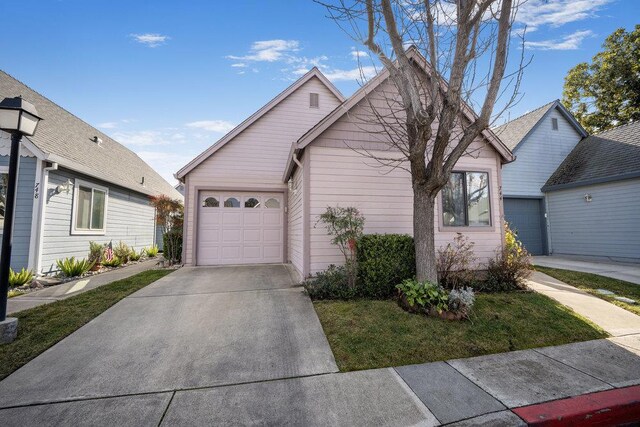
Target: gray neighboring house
593	198
540	141
75	185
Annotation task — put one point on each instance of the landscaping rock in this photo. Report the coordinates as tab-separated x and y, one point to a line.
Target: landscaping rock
46	281
8	330
625	299
604	292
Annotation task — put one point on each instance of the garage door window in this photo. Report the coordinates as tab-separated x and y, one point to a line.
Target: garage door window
210	202
251	202
231	202
272	203
465	200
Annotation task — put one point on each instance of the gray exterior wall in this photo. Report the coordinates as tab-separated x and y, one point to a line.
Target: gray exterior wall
606	227
130	218
539	156
24	211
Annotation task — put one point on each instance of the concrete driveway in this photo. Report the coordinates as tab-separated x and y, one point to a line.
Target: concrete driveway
197	327
629	272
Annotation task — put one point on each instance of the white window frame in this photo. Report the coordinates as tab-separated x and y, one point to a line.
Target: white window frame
74	209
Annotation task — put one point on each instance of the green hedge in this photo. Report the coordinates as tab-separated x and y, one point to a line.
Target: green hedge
384	261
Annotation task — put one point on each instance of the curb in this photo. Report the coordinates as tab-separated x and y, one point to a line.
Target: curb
610	407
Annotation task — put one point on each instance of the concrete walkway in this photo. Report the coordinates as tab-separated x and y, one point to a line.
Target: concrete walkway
75	287
613	319
617	270
243	346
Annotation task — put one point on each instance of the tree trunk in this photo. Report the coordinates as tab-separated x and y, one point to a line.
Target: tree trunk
424	234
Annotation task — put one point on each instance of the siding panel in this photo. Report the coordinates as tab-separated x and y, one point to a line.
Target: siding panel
296	224
130	218
608	226
23	211
539	156
257	157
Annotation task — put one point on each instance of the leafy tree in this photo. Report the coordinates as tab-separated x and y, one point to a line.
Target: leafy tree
606	92
170	217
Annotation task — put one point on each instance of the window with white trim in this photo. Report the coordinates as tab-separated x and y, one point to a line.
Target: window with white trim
89	208
465	200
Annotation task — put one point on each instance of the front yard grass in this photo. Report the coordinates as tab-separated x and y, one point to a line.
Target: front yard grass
41	327
366	334
589	282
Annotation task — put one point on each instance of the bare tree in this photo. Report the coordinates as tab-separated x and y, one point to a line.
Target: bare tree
442	57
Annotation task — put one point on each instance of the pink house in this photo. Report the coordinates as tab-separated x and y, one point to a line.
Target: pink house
256	194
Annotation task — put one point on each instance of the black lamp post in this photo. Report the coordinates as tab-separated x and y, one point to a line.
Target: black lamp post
17	117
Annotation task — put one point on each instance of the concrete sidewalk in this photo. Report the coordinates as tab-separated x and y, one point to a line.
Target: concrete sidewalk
484	390
617	270
75	287
613	319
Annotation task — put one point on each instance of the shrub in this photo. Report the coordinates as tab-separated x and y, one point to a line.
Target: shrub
461	300
96	250
384	260
122	251
345	225
172	241
151	251
134	256
23	277
510	267
114	261
70	267
330	284
422	296
454	263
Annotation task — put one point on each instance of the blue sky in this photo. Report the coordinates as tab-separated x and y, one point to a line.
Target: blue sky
169	78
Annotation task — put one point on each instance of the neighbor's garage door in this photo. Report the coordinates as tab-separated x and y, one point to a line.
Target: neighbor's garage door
526	217
240	228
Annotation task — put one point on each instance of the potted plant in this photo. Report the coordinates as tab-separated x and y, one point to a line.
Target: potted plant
96	251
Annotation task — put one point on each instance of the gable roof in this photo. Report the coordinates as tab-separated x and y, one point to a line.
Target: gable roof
611	155
517	130
314	72
67	140
360	94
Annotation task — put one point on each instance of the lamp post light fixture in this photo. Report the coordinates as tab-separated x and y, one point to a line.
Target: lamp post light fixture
17	117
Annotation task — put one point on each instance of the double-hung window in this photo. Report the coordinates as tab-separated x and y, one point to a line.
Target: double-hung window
89	208
466	201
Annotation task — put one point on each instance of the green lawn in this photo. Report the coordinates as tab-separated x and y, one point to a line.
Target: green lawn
41	327
366	334
590	282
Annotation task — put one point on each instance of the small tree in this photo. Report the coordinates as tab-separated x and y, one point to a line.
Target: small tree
346	226
170	217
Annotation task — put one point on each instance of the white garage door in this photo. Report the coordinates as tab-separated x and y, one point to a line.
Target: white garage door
240	228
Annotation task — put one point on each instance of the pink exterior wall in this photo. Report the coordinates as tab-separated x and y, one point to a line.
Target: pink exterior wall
296	221
257	157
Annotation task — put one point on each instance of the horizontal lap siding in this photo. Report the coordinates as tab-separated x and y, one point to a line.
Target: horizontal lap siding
23	211
539	156
295	246
342	177
130	218
257	157
608	226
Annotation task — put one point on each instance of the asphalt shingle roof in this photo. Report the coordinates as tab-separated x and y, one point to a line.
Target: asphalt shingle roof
511	133
603	156
64	135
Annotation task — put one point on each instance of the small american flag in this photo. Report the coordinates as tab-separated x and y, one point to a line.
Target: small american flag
108	253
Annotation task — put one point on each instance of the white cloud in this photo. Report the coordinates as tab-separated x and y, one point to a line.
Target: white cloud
108	125
360	73
149	137
239	65
568	42
220	126
536	13
269	50
166	163
150	39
